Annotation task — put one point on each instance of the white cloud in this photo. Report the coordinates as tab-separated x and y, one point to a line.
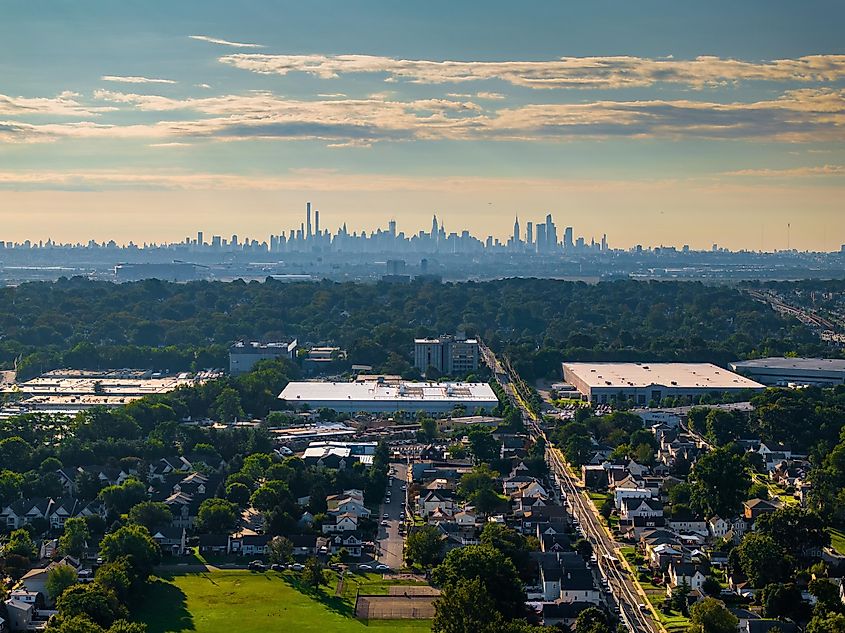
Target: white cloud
215	40
492	96
566	72
64	104
136	80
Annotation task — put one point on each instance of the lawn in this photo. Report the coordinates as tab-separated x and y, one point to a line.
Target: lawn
250	602
837	541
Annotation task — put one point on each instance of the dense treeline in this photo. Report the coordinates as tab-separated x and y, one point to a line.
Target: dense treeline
80	323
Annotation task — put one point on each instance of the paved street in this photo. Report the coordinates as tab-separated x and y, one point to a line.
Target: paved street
623	590
390	542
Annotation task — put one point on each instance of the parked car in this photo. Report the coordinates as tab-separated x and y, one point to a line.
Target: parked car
257	565
382	567
365	567
297	567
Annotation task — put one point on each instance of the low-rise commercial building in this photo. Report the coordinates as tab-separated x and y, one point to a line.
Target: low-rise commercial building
380	397
244	354
651	382
780	371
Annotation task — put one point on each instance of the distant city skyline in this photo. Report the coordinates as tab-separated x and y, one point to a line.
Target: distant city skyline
667	124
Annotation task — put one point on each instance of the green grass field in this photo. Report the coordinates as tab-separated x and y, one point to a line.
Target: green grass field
837	541
249	602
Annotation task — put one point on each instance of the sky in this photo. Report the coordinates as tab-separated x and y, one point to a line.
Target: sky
657	123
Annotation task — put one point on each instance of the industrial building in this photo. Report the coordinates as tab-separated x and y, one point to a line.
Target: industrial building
450	355
381	397
779	371
651	382
73	390
243	355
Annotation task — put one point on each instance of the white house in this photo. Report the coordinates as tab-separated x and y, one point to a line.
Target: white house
629	493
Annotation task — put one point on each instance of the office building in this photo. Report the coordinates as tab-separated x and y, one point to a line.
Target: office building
382	397
779	371
243	355
651	382
450	355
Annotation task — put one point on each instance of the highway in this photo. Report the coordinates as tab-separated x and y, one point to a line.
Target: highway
622	589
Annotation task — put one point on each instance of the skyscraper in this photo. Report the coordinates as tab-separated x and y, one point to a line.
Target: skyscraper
316	222
434	228
529	233
307	220
516	231
568	244
199	238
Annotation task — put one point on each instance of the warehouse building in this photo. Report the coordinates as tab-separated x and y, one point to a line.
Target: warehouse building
651	382
779	371
382	397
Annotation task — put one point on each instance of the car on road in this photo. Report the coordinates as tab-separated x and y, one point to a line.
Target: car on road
385	516
277	567
365	567
297	567
385	522
257	565
382	567
642	607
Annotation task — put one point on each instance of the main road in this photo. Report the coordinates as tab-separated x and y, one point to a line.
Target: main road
623	589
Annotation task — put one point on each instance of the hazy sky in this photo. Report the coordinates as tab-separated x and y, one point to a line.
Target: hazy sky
653	122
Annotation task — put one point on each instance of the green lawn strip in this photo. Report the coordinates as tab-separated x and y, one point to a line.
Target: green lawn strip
656	595
249	602
837	541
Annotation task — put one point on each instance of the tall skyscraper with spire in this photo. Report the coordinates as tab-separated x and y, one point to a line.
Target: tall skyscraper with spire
516	239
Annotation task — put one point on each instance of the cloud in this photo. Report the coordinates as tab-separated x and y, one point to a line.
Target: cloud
65	104
206	86
796	116
492	96
565	72
792	172
214	40
136	80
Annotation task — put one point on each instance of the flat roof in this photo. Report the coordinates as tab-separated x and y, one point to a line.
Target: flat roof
386	392
804	364
671	375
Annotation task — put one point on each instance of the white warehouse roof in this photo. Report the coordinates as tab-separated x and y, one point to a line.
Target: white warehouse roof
672	375
375	396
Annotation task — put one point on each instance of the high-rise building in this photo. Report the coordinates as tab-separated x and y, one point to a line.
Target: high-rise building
568	244
551	233
604	242
199	238
541	238
516	231
529	233
308	220
316	222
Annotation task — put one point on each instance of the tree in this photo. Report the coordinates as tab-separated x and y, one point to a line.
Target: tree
15	453
513	545
465	607
97	603
20	543
11	484
118	576
827	623
592	620
135	544
75	537
227	405
217	515
796	530
428	427
719	482
120	498
314	574
239	493
782	601
151	514
281	550
711	616
60	578
482	445
424	547
761	559
583	547
496	572
711	586
826	593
